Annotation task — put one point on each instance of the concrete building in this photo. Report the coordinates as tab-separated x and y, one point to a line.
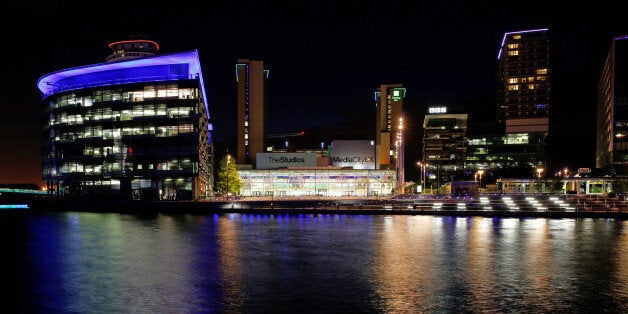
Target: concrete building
389	141
612	110
251	77
524	89
524	81
444	144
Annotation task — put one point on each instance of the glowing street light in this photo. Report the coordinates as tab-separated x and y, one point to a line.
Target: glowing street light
480	173
539	170
399	158
227	172
422	167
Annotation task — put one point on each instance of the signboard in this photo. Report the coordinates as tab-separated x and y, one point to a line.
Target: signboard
584	170
435	110
358	154
285	160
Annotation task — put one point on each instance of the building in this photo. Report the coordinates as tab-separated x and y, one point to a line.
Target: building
135	127
389	153
444	144
612	110
251	77
507	152
348	172
523	91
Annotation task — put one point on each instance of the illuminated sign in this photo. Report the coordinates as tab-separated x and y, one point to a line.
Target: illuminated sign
433	110
285	160
398	93
358	154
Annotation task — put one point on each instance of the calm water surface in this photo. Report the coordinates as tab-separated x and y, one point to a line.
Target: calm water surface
116	263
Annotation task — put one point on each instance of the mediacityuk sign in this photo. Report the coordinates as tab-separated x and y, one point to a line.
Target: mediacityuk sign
358	154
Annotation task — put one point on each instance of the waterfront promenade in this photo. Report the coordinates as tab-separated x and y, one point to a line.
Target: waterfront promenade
498	205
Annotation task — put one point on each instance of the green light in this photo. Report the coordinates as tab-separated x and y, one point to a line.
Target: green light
398	93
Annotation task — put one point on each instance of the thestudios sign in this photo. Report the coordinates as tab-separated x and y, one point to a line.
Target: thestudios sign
284	160
359	154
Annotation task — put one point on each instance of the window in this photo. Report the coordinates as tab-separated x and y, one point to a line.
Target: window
513	80
513	52
513	46
513	87
541	71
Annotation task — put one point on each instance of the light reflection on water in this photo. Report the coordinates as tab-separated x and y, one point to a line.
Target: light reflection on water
89	262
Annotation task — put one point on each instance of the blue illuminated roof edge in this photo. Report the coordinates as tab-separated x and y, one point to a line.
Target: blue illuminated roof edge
47	83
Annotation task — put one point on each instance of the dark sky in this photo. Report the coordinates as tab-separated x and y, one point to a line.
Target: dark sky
325	57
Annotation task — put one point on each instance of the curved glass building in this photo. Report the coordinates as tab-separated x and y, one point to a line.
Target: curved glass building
136	126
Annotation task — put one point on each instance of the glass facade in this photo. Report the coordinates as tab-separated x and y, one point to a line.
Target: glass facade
505	151
134	139
317	182
612	110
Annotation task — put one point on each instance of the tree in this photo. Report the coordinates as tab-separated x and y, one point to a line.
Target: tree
228	179
556	184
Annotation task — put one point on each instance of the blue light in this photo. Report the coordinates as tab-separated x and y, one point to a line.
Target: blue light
499	55
176	66
14	206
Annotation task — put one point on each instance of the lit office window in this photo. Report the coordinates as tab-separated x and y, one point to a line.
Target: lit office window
516	37
513	52
513	46
513	87
513	80
541	71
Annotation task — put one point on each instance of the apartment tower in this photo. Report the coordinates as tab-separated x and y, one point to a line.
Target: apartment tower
389	151
251	77
523	92
612	110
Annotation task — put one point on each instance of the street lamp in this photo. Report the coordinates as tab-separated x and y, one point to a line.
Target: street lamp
480	173
399	157
420	165
539	170
227	173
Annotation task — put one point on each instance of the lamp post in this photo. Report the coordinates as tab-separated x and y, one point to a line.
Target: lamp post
227	173
539	171
480	173
399	154
422	167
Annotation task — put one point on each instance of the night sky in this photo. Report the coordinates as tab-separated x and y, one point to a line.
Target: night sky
326	58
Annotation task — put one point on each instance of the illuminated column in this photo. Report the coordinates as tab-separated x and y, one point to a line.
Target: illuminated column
399	154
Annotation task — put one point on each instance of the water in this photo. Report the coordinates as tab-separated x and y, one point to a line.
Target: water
116	263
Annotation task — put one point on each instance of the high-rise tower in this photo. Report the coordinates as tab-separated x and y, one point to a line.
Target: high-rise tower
612	109
389	139
523	91
251	76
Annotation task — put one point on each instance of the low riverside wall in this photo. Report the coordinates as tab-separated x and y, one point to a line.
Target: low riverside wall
352	207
